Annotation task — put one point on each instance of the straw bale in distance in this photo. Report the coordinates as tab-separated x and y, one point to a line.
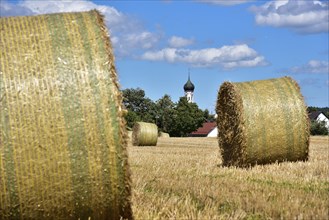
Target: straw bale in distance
261	122
63	147
164	134
145	134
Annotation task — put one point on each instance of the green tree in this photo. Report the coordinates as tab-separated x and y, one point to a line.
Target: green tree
318	128
131	117
165	111
140	108
187	117
312	109
208	116
178	119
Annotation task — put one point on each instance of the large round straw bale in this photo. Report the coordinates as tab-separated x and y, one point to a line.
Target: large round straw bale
145	134
164	134
261	122
62	147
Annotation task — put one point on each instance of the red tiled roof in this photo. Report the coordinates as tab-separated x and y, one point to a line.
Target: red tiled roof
205	129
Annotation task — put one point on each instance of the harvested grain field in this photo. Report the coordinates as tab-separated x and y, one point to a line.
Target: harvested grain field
182	178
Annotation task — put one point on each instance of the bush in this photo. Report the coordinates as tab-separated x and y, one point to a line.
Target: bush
318	128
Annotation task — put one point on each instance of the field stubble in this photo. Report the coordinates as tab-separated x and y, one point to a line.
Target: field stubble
182	178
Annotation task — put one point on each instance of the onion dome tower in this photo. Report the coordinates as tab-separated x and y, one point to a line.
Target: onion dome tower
189	89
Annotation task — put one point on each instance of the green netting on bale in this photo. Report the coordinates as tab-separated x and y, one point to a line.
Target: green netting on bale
261	122
63	146
145	134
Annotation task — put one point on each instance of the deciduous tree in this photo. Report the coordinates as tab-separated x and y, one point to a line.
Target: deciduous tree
187	118
140	108
165	111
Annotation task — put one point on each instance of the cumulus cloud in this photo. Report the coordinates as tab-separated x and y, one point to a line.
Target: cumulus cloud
226	2
313	66
305	17
127	33
227	57
126	42
175	41
28	7
8	9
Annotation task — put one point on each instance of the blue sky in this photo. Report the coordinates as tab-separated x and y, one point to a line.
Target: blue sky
156	42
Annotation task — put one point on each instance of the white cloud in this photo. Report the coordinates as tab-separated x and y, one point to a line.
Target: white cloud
302	16
9	9
114	18
227	57
127	34
45	7
125	43
313	66
226	2
175	41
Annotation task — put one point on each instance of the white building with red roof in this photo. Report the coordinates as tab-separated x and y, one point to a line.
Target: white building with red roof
208	129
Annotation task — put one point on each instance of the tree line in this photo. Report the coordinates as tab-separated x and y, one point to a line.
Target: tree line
178	119
181	118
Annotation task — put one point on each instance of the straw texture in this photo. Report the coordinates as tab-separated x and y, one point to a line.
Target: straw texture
145	134
261	122
164	134
130	135
63	146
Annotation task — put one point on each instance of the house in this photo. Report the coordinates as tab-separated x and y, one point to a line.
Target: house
208	129
213	132
319	116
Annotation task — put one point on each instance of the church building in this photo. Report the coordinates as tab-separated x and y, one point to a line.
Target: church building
189	90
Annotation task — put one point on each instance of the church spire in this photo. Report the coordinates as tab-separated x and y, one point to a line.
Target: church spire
188	73
189	88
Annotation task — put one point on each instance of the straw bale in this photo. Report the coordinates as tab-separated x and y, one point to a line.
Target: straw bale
261	122
130	135
145	134
164	134
62	147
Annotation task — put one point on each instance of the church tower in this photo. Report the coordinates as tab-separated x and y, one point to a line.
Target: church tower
189	89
